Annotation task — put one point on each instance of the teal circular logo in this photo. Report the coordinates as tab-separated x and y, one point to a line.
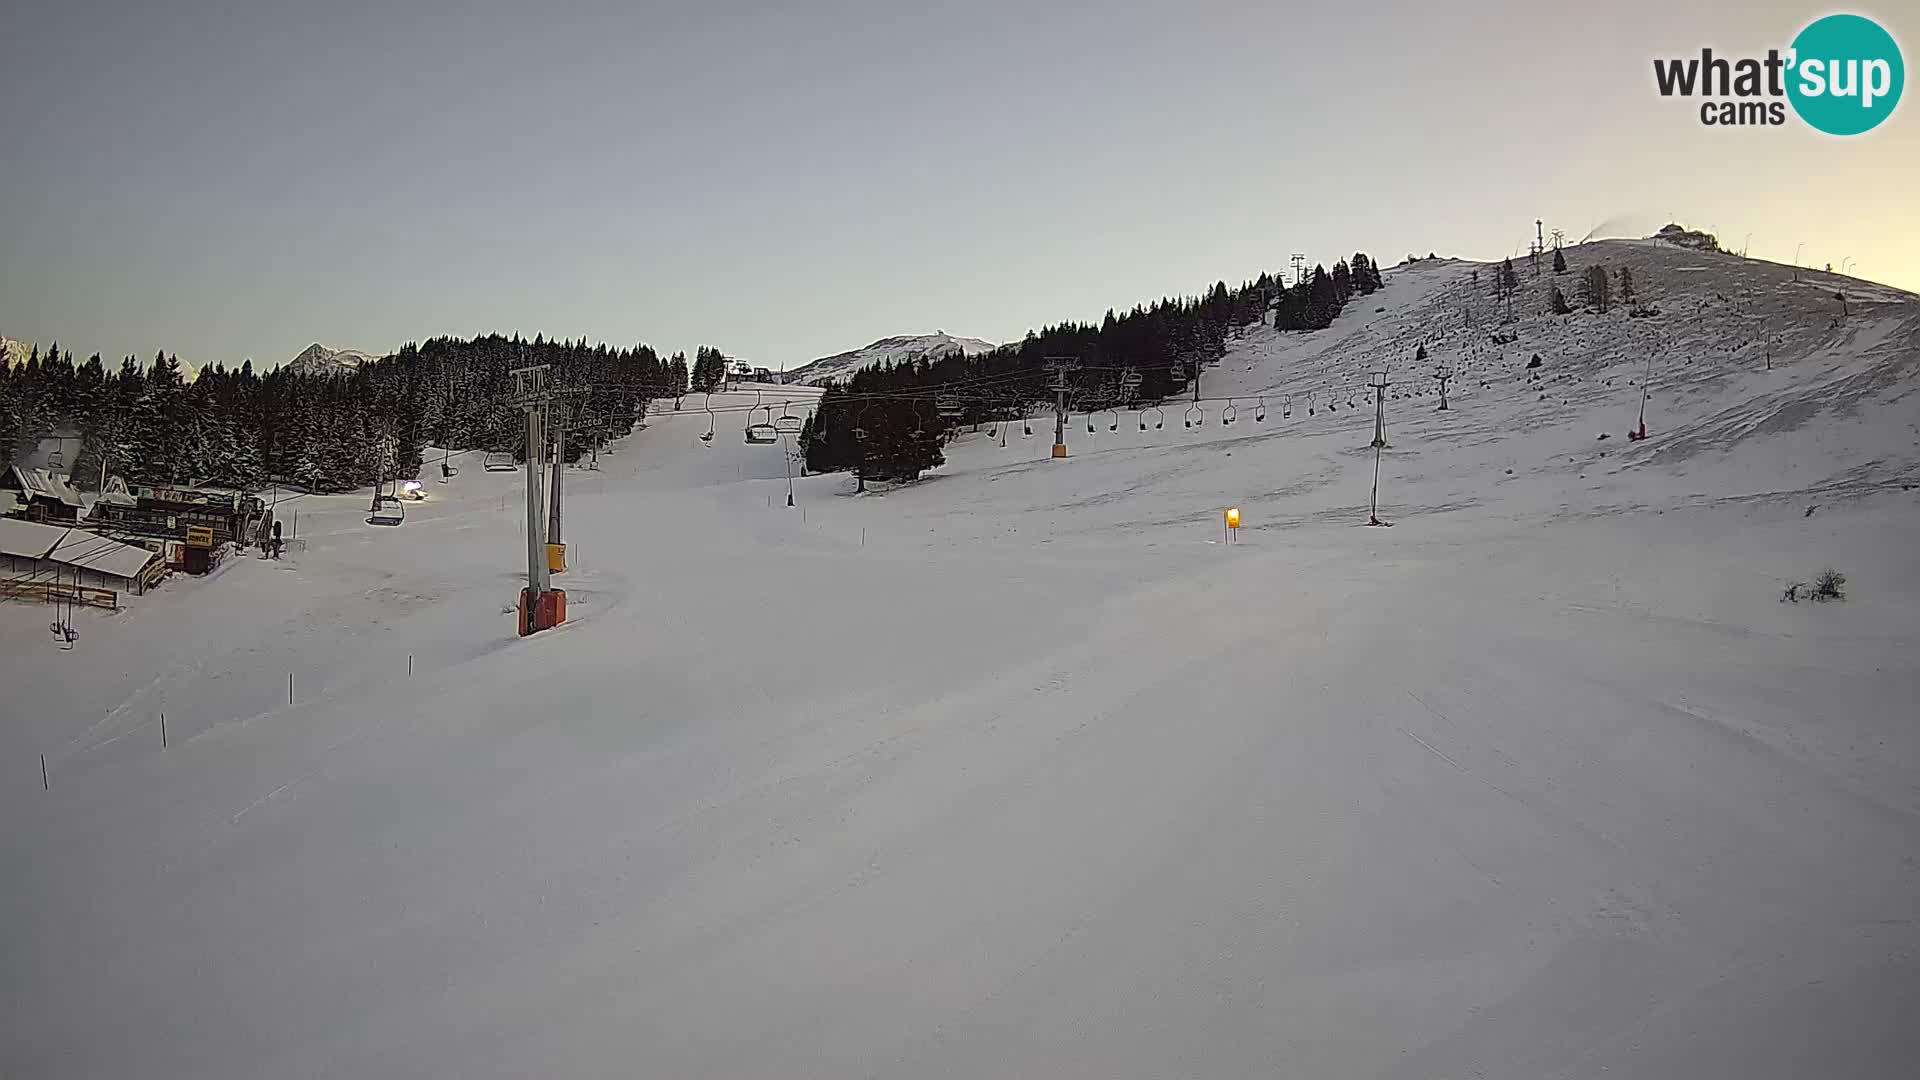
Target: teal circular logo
1846	74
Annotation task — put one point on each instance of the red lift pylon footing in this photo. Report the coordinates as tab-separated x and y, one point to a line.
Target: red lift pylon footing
542	611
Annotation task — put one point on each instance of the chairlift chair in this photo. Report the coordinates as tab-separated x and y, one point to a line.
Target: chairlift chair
787	423
1229	414
1026	424
1286	409
708	437
1195	416
1115	425
1260	411
764	431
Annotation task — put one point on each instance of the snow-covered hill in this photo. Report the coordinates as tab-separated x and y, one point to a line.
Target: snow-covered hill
890	350
317	359
1022	770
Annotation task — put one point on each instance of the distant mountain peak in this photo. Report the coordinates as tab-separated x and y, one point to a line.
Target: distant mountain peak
318	359
892	350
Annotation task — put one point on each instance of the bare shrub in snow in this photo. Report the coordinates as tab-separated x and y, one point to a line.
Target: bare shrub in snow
1830	585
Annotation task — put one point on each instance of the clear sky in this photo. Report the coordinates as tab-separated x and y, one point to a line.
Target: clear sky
787	180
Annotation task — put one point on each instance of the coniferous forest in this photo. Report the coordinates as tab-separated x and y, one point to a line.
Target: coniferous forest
323	432
348	429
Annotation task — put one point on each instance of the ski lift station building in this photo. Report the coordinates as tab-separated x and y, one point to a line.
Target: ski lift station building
35	557
42	495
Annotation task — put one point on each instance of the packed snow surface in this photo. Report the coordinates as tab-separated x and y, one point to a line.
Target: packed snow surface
1022	770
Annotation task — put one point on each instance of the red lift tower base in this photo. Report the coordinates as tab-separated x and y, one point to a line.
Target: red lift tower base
542	611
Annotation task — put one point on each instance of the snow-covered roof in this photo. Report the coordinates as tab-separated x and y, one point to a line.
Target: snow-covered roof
45	484
28	539
96	552
73	547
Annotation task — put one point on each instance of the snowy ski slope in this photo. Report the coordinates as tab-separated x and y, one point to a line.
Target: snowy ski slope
1020	771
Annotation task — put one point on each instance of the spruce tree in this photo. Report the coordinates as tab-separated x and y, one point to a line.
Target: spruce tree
1323	300
1364	274
1595	290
